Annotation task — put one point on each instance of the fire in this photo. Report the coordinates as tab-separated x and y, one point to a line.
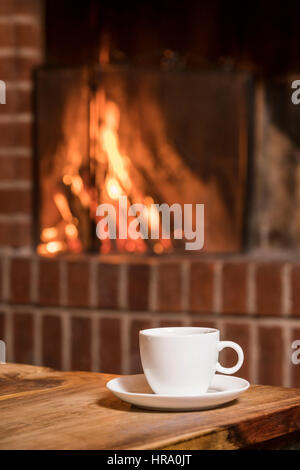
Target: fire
63	207
76	185
49	234
51	248
113	188
67	180
117	162
71	231
54	247
102	176
158	248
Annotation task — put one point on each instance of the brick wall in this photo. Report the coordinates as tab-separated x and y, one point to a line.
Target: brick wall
85	312
21	50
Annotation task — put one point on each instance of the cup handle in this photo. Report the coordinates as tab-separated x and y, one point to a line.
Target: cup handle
238	349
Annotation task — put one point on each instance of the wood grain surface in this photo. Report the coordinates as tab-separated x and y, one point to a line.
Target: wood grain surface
44	409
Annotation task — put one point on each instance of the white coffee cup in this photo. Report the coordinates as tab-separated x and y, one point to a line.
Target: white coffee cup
183	360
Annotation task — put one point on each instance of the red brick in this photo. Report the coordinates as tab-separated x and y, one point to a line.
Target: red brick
15	168
7	34
28	7
295	287
138	279
201	287
234	287
135	327
15	201
28	35
21	7
240	334
78	294
7	69
23	136
15	234
18	67
25	66
23	101
23	338
2	326
81	338
169	287
15	134
268	289
9	106
20	280
51	345
271	355
7	7
17	101
203	324
110	345
3	356
108	285
7	134
49	282
295	368
1	280
170	324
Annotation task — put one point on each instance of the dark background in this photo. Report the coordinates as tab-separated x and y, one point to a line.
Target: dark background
261	36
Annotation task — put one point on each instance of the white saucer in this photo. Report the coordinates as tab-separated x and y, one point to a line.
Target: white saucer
134	389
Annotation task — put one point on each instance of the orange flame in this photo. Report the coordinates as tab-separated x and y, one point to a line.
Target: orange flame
49	234
63	207
115	179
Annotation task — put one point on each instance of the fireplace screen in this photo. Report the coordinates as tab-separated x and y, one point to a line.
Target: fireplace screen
152	136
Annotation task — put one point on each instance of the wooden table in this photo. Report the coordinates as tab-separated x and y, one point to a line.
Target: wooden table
44	409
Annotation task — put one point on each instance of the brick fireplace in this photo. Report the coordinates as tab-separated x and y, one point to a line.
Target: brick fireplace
84	311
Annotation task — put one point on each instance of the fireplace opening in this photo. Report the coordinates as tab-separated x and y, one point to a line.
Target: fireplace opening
148	119
175	117
153	136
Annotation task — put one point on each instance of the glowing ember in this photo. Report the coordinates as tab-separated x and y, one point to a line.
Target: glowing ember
67	180
54	247
71	231
49	234
51	248
158	248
